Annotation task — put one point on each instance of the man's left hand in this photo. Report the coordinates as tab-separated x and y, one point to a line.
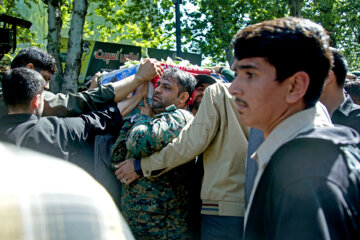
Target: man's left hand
125	172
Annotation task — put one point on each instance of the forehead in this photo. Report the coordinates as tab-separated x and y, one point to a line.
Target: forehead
46	74
256	63
167	81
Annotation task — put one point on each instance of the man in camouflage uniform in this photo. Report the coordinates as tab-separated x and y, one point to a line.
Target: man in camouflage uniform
165	207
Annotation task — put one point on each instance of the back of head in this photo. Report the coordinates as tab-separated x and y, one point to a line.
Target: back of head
353	89
185	81
38	57
290	45
21	85
340	67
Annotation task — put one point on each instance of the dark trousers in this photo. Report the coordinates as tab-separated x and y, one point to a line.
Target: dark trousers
221	227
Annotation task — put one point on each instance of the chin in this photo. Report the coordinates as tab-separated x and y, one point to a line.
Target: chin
246	121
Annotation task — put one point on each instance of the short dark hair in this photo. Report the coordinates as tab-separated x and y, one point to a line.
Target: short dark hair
20	86
39	58
352	87
185	81
340	67
290	45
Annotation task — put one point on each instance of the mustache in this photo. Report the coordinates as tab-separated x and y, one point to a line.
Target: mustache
240	101
156	95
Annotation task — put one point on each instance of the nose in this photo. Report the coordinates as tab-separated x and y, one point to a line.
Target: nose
157	90
47	86
235	88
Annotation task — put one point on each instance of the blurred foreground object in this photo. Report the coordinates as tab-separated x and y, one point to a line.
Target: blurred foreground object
45	198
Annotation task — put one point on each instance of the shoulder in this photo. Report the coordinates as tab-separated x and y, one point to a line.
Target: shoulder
174	114
217	90
56	124
308	157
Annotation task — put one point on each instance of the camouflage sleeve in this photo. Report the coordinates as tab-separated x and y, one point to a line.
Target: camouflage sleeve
147	137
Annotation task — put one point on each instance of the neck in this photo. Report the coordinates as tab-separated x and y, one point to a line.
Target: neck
333	100
291	110
19	110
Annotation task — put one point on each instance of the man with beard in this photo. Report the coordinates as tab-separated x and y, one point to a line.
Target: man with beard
203	81
161	208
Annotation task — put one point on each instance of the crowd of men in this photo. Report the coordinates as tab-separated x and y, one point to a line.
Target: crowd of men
273	155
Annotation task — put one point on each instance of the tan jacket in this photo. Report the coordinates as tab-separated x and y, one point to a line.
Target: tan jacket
217	132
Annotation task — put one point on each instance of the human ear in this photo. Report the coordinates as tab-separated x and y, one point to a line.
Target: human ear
298	85
184	96
30	66
35	102
329	79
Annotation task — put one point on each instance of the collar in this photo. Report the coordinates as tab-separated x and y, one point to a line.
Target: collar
346	106
19	118
170	108
288	129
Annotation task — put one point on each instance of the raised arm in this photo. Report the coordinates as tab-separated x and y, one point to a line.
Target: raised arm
96	99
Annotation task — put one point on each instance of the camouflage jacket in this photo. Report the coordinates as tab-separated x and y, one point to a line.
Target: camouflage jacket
147	203
141	135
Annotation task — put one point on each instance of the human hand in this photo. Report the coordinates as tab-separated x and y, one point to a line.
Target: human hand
94	82
146	109
125	172
149	69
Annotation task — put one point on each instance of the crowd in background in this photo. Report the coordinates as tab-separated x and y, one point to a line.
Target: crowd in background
269	149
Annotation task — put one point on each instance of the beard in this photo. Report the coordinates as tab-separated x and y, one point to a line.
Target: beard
157	105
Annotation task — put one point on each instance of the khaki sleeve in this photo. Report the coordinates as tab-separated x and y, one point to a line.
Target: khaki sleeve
193	139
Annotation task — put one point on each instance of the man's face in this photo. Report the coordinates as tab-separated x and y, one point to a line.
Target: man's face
165	94
47	76
260	99
199	93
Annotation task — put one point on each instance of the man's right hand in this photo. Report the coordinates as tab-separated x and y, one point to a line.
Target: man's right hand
149	69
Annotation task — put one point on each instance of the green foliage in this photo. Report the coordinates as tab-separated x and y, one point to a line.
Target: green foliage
138	20
24	35
210	28
341	19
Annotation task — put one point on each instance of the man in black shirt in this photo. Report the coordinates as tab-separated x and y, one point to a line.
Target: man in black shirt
308	178
342	109
23	91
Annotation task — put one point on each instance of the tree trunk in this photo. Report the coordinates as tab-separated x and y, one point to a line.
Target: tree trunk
74	49
222	32
295	7
229	54
55	23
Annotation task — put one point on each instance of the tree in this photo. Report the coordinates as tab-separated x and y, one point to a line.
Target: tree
295	7
142	19
341	19
54	35
210	28
135	19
